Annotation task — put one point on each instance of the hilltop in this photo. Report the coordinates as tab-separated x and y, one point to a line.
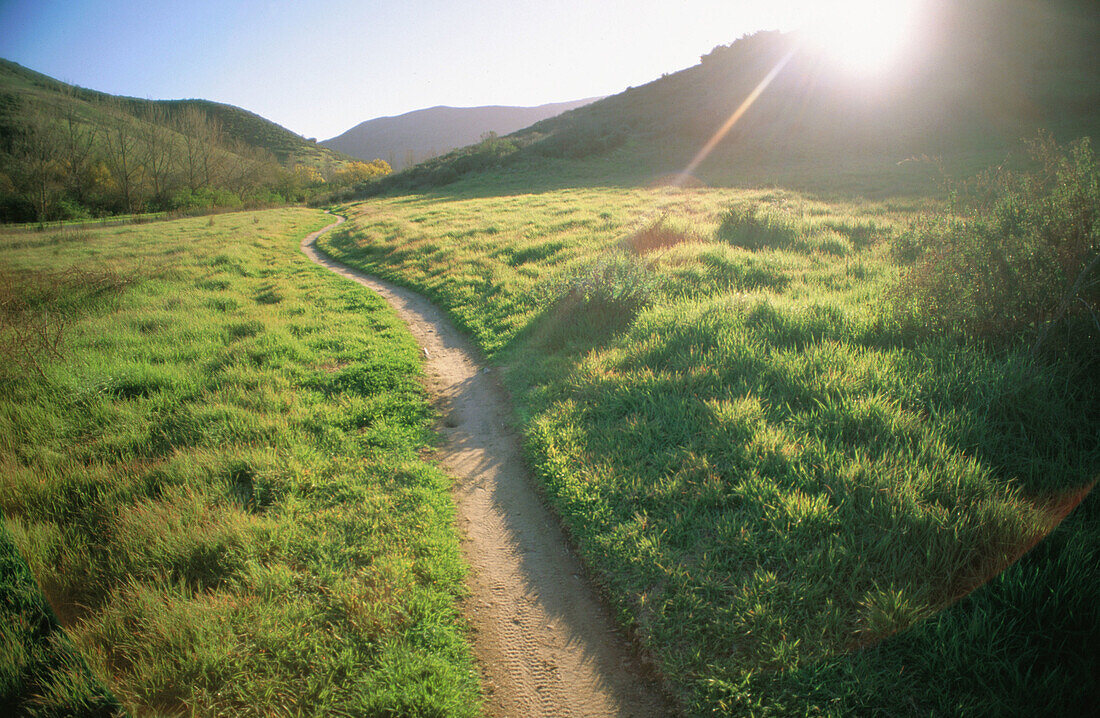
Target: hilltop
403	140
986	75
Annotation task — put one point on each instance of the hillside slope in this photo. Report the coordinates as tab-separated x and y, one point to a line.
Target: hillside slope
25	88
429	132
69	153
986	75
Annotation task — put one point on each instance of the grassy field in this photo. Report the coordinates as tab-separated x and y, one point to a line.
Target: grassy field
798	500
211	464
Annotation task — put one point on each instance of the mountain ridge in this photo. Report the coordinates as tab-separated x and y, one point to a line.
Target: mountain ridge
991	74
439	129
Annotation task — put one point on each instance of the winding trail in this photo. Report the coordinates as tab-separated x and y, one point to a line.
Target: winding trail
545	643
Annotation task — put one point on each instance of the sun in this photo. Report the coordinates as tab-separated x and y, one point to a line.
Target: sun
864	36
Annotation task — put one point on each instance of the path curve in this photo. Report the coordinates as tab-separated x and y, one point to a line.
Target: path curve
545	643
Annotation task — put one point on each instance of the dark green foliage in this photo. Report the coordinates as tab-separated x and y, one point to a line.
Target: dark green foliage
206	198
579	139
41	674
601	296
759	228
490	152
1020	250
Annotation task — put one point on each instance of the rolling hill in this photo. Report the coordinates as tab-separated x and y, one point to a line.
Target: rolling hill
426	133
986	75
69	153
29	90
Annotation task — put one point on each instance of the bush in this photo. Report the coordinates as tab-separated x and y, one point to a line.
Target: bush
68	209
38	307
205	198
490	152
658	235
1017	256
578	140
757	228
16	208
602	296
266	197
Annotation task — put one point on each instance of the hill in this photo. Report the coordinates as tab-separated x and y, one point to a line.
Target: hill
69	153
986	75
239	124
405	139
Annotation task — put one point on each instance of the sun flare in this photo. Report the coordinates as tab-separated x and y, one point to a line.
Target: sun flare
865	36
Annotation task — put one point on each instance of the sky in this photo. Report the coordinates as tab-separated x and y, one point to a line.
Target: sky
319	68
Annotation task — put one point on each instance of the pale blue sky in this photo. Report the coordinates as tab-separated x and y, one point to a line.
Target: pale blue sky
319	68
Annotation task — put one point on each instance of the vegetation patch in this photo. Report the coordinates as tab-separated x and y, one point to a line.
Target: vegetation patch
214	503
658	235
801	500
1020	256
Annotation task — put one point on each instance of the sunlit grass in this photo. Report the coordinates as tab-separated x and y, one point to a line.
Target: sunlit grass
218	486
769	470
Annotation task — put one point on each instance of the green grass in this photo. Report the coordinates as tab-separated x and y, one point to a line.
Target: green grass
784	487
218	484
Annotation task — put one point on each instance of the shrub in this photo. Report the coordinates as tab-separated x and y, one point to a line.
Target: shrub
205	198
16	208
581	139
66	208
1017	256
761	228
490	152
37	308
266	197
602	295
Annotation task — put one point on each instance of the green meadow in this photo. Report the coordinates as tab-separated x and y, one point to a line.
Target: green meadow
799	490
820	454
213	485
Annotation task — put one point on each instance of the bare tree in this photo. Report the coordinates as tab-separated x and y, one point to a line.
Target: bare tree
158	150
201	135
78	146
37	170
123	157
211	156
188	158
248	167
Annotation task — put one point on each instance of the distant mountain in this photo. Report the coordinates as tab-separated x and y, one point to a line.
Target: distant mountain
989	73
419	135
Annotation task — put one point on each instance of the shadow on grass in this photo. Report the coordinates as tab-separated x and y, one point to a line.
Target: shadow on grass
41	673
1039	616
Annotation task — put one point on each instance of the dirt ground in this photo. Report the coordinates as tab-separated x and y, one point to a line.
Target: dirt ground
544	641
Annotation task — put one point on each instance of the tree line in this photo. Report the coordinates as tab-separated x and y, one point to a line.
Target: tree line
89	159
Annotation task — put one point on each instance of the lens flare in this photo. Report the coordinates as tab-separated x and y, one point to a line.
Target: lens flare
863	36
737	114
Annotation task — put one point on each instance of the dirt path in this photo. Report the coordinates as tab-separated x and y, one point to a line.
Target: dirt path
545	643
